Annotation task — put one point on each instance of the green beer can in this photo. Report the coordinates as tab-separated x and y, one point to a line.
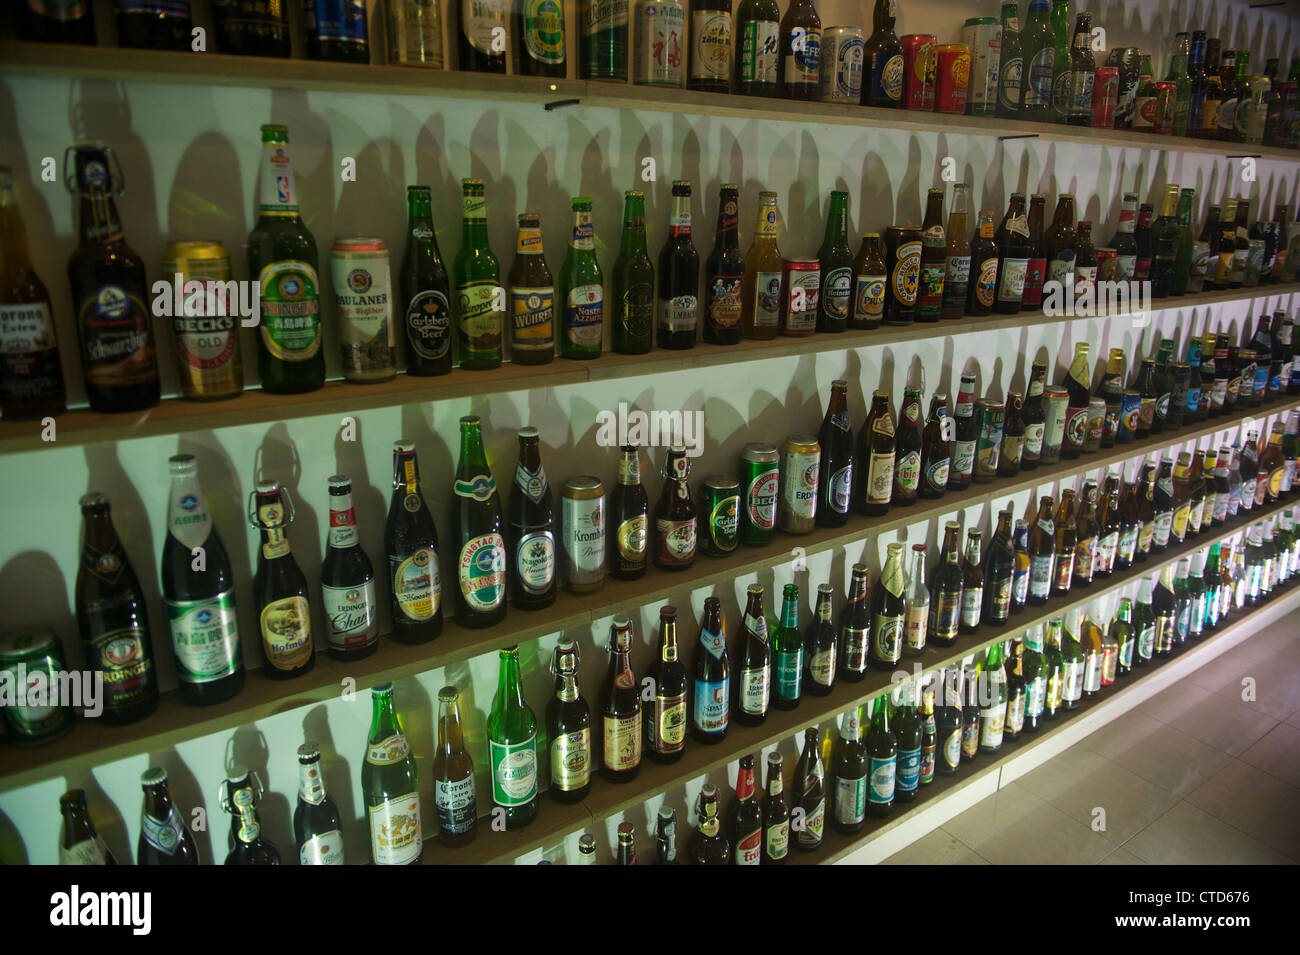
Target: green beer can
35	710
720	511
760	479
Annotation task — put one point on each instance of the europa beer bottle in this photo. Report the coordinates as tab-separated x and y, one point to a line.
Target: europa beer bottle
164	838
580	291
282	257
568	725
874	475
679	277
390	785
754	686
316	823
711	705
632	304
109	293
113	619
411	547
629	514
198	587
665	725
724	273
835	466
512	745
425	292
480	550
531	529
279	587
347	581
480	297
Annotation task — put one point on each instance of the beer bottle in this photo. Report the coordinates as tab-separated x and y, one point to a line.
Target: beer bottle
316	826
154	26
761	302
1013	437
725	273
282	257
1062	71
586	849
1036	265
198	585
568	724
902	265
580	290
908	734
1196	593
972	584
481	560
481	42
882	759
113	620
164	838
279	587
875	472
666	836
255	29
425	291
347	581
1162	507
855	626
957	250
1124	243
1012	240
776	815
908	446
454	792
1038	48
1272	462
1020	575
1055	667
965	436
754	689
1067	538
993	705
999	569
1042	554
889	607
1010	63
835	466
1146	386
1109	527
538	36
869	281
800	65
1073	662
1059	244
57	24
757	47
933	268
31	378
929	735
712	691
620	709
787	653
1076	383
882	59
820	647
849	777
675	515
1034	673
336	31
1164	239
411	544
512	745
1085	537
809	792
531	528
109	291
709	846
633	283
390	785
1211	575
665	726
532	297
480	297
240	794
626	852
746	817
946	589
79	842
936	449
1092	642
710	66
1083	68
629	509
983	267
948	722
835	261
679	276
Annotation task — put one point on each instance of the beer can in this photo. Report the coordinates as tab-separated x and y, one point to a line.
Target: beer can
660	38
363	292
797	504
984	37
582	533
841	69
760	482
1166	102
1055	403
1105	96
205	318
801	283
919	62
1130	413
952	78
1096	425
1107	266
989	418
720	515
37	711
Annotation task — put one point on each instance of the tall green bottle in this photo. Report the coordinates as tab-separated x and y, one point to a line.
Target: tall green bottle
390	786
480	549
787	653
1038	49
1072	661
282	254
512	745
1034	669
581	289
1182	80
1183	243
1062	61
633	300
425	292
836	261
480	298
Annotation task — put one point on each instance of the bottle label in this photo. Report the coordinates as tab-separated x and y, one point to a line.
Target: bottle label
803	66
86	852
905	279
963	458
479	322
946	610
886	78
163	834
286	632
417	589
29	357
914	625
972	601
882	774
767	299
1160	530
117	345
1015	721
788	668
679	313
1072	681
778	839
814	825
392	749
290	310
514	771
622	736
571	760
395	830
711	705
481	572
1035	697
1040	575
855	641
544	31
666	730
868	299
323	848
880	478
952	748
363	300
479	20
711	33
677	541
1038	84
755	690
1011	283
907	474
908	769
759	51
956	279
428	324
850	800
205	636
584	315
535	562
836	293
888	641
533	318
350	615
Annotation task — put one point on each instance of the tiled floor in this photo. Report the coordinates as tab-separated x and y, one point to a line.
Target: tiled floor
1199	773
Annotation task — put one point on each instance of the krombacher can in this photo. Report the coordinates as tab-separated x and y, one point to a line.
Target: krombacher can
582	533
797	503
720	514
363	292
759	483
206	326
34	715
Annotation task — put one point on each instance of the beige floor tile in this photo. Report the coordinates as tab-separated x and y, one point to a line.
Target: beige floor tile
937	848
1120	856
1251	800
1276	686
1006	807
1278	754
1128	801
1225	723
1063	772
1186	835
1174	701
1160	754
1015	827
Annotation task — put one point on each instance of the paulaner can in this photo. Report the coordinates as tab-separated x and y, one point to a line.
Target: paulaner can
363	292
989	418
1056	401
984	37
841	67
919	61
760	483
952	78
720	515
41	713
801	284
797	506
206	324
582	533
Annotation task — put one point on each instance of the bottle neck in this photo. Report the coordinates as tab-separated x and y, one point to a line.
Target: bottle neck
509	686
383	718
99	221
450	738
473	222
583	238
679	222
311	784
727	233
633	240
279	192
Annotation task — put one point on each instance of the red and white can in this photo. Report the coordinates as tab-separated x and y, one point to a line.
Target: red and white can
919	59
1105	96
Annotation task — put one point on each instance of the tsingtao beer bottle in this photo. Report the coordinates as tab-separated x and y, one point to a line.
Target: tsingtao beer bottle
568	724
481	553
411	546
347	581
279	587
390	785
316	824
164	838
425	290
531	529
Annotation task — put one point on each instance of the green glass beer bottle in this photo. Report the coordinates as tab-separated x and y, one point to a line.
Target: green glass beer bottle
512	745
282	254
836	260
425	292
581	289
390	786
787	653
481	553
480	299
633	300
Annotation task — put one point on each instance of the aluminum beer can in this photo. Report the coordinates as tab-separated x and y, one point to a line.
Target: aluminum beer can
759	485
720	515
1105	96
582	533
797	504
40	713
920	52
989	418
1056	401
841	65
206	319
952	78
801	285
660	38
363	292
984	37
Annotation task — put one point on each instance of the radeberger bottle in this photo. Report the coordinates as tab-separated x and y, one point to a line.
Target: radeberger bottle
411	546
198	586
113	620
580	290
279	588
632	308
855	628
835	259
481	41
711	706
240	794
454	793
164	838
347	581
109	292
835	466
480	298
665	725
531	529
679	277
481	556
282	257
821	646
724	273
629	512
888	609
809	792
787	653
620	709
754	688
316	825
568	724
390	785
425	291
512	745
761	302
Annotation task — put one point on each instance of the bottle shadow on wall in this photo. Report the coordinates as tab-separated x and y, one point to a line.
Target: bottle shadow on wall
247	747
36	572
13	850
106	817
473	722
370	506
